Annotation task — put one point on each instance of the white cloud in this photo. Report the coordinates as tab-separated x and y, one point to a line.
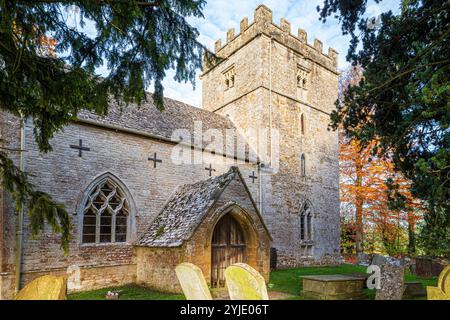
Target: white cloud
221	15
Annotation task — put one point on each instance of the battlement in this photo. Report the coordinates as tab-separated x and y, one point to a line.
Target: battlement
263	25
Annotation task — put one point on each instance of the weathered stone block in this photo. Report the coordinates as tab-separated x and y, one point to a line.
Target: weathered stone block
263	14
333	287
230	35
302	35
318	45
218	45
285	25
243	25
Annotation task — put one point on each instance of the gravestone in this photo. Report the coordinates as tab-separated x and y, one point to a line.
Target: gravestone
442	291
333	287
245	283
429	267
73	278
378	259
192	282
44	288
391	283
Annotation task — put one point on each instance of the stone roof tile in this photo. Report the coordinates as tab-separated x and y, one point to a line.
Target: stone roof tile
184	211
148	119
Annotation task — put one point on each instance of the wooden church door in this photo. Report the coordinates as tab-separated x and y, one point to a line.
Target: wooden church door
228	247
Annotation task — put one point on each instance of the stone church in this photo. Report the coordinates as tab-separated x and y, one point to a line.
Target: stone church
144	194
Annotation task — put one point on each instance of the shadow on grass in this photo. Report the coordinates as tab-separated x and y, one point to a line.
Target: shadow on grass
289	280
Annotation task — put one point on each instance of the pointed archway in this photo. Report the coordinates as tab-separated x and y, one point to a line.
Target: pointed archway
228	246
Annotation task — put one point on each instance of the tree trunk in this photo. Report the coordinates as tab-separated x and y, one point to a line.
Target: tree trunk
411	235
359	211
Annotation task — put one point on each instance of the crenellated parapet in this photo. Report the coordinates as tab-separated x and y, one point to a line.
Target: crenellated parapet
263	25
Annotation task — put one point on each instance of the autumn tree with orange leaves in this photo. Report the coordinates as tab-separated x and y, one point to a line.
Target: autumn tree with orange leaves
369	185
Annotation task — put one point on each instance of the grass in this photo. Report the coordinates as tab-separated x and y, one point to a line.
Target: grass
287	281
129	292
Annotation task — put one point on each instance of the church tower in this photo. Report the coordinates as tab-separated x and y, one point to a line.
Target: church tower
270	80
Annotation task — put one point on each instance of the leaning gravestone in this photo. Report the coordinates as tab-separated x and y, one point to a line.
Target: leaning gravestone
192	282
391	283
245	283
44	288
442	291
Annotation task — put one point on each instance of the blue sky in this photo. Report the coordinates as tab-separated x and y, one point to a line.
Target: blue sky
221	15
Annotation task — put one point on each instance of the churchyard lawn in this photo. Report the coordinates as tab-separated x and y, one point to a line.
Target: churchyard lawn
286	281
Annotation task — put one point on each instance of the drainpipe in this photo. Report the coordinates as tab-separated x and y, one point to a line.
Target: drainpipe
19	233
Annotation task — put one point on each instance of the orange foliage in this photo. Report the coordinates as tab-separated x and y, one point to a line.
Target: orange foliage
34	37
364	193
363	188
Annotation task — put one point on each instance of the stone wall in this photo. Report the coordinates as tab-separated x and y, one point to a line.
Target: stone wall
65	176
267	59
156	266
9	138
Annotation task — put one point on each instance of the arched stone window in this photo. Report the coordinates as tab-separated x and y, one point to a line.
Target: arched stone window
106	213
303	165
229	76
306	225
302	81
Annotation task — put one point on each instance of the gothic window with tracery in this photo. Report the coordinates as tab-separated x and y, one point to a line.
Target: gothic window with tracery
106	214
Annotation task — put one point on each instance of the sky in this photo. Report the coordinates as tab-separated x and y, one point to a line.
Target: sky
221	15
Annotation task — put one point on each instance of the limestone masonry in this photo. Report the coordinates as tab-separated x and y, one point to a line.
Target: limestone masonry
137	213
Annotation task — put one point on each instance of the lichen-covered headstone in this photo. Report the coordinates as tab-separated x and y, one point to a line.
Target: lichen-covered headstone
44	288
73	277
192	282
442	291
391	283
245	283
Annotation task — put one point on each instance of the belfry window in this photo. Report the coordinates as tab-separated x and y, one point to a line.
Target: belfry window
302	79
303	82
229	77
106	214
